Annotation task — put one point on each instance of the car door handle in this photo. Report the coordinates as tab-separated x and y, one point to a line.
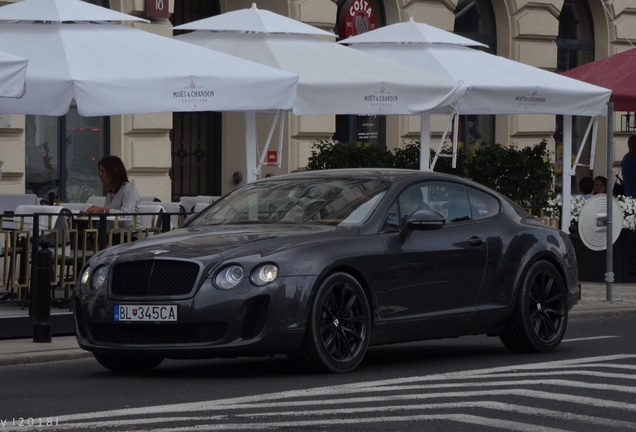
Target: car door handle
476	241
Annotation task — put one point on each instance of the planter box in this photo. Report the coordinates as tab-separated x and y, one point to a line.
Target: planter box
591	264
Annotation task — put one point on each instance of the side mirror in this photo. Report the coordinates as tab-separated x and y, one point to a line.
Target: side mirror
424	220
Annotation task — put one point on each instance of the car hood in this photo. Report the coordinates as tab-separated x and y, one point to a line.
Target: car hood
226	240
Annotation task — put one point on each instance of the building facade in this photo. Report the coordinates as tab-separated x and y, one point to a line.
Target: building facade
169	155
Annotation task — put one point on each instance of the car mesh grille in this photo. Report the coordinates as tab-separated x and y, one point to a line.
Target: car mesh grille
152	278
153	334
255	317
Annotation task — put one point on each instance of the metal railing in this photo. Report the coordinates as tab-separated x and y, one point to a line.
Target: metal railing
72	239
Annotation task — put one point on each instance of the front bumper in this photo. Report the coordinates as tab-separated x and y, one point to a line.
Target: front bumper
212	323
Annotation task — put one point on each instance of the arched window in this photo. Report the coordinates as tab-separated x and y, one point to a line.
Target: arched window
575	44
356	17
475	20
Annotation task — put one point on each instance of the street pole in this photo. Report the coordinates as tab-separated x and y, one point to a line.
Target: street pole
42	295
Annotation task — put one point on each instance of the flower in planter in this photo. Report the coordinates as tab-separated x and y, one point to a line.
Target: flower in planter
627	205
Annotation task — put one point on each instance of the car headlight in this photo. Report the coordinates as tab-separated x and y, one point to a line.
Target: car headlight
264	274
85	276
229	277
99	277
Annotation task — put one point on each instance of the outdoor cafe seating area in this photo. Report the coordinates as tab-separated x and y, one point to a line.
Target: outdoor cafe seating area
72	237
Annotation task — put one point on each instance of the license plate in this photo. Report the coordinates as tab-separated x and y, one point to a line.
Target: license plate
145	313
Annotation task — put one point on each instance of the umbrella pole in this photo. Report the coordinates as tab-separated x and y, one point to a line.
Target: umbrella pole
250	146
566	175
609	251
425	142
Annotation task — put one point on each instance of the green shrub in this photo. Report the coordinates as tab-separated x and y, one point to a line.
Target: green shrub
525	176
327	155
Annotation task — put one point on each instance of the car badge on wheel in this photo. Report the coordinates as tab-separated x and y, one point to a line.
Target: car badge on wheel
159	251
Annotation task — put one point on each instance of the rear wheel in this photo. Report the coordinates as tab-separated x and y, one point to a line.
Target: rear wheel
540	317
338	326
127	362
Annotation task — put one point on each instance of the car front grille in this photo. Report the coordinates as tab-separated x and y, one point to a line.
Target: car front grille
255	317
154	278
153	334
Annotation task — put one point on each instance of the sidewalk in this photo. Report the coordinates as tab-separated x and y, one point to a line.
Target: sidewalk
593	304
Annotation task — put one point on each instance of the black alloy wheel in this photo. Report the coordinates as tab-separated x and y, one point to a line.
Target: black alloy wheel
540	318
338	326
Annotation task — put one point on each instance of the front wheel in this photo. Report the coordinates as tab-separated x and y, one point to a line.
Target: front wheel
540	317
127	362
338	326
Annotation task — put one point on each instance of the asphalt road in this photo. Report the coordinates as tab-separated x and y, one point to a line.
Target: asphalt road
470	383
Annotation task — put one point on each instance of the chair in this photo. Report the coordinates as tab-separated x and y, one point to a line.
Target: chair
199	206
150	218
11	250
74	252
52	227
177	213
188	203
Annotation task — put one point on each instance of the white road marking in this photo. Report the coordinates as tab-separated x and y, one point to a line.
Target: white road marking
298	398
589	338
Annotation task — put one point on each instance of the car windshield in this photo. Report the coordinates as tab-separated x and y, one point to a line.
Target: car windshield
332	201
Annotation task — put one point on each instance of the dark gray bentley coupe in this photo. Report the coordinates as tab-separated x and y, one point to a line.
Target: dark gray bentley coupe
321	265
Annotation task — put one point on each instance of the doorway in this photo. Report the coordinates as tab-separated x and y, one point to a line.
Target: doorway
196	136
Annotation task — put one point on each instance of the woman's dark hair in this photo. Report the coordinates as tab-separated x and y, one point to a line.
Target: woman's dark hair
602	179
115	169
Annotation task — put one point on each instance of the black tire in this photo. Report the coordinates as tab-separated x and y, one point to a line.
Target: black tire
127	362
540	317
338	326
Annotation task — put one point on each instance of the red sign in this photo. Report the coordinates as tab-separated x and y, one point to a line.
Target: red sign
157	8
356	17
272	157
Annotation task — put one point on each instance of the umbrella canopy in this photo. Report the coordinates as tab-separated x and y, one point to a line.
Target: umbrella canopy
413	32
496	85
253	20
332	79
12	75
77	55
616	72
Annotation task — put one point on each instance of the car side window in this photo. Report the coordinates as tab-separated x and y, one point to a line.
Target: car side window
449	199
483	205
407	203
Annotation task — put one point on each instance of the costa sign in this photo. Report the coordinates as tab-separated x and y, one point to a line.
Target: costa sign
357	17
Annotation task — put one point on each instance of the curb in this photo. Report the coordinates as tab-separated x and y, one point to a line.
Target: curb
42	357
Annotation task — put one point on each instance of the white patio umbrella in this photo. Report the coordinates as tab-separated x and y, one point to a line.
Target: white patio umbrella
79	53
496	85
412	32
12	75
332	79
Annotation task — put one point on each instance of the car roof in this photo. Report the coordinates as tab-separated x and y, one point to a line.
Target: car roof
391	174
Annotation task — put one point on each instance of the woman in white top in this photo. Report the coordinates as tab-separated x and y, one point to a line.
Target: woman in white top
121	195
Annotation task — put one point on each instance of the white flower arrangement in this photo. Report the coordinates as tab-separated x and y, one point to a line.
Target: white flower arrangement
627	205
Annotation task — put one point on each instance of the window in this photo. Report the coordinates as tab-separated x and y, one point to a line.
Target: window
475	20
482	205
456	202
62	155
575	44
